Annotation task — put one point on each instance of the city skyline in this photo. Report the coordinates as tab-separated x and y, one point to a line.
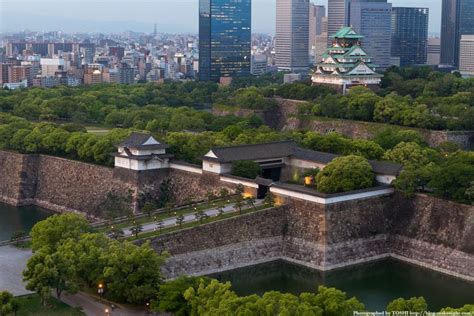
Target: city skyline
118	15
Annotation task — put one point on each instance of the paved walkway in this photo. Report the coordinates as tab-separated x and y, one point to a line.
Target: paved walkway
93	306
191	217
12	263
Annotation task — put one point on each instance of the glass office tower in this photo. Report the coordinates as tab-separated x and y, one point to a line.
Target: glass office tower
338	16
457	20
224	39
372	19
410	35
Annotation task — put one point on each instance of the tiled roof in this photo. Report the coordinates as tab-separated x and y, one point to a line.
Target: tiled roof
254	152
137	141
289	149
347	32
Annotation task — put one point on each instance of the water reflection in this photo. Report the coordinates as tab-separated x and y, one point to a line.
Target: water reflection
13	219
375	284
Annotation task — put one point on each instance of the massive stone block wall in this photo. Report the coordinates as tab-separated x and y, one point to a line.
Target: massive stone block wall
16	183
426	231
284	118
239	241
187	185
62	184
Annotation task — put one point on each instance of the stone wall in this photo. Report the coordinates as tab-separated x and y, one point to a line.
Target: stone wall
16	183
218	246
62	184
426	231
284	118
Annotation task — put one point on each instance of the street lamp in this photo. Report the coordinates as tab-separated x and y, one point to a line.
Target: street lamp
100	289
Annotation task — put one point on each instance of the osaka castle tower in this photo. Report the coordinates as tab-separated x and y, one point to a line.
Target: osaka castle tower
345	64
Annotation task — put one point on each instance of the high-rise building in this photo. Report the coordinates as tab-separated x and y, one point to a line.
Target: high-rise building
20	73
434	51
338	16
259	65
316	15
292	35
457	20
466	55
410	35
224	38
372	19
49	66
4	71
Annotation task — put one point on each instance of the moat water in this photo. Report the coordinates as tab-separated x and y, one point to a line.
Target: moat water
13	219
375	284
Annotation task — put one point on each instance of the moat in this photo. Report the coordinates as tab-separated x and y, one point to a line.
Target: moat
375	284
13	219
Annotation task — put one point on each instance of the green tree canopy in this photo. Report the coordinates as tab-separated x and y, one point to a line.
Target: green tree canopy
56	229
345	174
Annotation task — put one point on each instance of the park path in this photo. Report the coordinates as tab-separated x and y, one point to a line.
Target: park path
190	217
94	306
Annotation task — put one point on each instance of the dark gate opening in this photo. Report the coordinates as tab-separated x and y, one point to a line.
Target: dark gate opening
262	191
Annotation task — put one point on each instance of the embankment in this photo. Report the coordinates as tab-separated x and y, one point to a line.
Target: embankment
425	231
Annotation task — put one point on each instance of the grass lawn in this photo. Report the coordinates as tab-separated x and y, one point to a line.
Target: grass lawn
97	130
30	305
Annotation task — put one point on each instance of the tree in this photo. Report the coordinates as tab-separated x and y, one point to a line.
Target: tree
54	230
414	304
334	302
224	193
180	220
132	273
148	208
239	204
170	297
206	298
160	224
468	308
88	256
269	199
410	153
201	216
246	169
210	196
8	304
46	271
220	209
454	176
115	233
136	229
345	174
251	202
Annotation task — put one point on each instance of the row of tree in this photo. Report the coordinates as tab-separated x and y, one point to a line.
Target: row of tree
204	296
446	170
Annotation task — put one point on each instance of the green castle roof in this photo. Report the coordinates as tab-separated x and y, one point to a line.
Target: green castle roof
347	32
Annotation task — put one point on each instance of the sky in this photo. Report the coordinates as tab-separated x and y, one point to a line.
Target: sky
171	16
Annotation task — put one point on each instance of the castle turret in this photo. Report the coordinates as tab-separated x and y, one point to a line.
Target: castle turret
346	64
140	152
